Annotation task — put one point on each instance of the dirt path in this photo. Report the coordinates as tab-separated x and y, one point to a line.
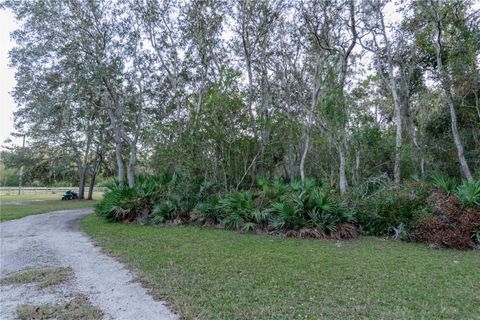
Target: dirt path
55	239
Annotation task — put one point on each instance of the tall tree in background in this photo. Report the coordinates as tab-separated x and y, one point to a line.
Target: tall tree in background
439	14
381	45
236	91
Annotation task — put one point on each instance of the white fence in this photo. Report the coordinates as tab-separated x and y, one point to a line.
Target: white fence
25	190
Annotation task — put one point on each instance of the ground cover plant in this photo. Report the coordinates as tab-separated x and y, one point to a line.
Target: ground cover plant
206	273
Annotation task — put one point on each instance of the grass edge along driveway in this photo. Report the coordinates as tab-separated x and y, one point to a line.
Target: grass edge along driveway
28	207
218	274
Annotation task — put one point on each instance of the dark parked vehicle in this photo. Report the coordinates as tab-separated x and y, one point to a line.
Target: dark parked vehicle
70	195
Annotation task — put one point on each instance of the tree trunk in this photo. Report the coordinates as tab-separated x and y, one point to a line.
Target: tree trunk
420	152
445	81
396	101
132	164
304	156
82	170
343	177
291	162
20	178
317	87
96	167
398	119
118	156
343	106
115	113
356	169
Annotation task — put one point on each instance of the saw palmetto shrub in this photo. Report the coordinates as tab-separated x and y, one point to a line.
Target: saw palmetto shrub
130	204
287	209
452	226
468	193
390	211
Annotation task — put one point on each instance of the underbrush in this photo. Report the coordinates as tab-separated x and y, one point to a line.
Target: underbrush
294	210
389	211
439	212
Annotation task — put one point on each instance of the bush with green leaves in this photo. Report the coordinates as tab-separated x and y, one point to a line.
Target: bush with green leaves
468	193
443	183
300	209
382	213
271	207
123	203
278	207
235	209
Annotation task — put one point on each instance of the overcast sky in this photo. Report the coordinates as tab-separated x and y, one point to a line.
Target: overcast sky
7	75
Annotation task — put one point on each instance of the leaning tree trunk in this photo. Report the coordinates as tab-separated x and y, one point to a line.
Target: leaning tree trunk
445	81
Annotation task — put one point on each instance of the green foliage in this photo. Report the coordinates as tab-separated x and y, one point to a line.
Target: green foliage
308	210
163	212
209	211
380	213
123	203
468	193
287	215
446	184
476	236
236	208
309	206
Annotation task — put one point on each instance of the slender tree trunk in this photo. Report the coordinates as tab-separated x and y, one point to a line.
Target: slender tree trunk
82	170
317	87
119	158
304	156
398	120
477	104
91	186
419	152
248	61
132	164
396	103
96	167
291	163
343	77
445	81
20	178
356	168
115	113
343	177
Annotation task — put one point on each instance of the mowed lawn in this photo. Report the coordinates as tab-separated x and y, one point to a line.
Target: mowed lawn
19	206
217	274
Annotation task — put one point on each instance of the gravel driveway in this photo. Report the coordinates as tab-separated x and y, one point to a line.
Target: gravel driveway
55	239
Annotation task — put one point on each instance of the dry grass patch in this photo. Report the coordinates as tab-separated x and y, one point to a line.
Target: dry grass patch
43	277
78	307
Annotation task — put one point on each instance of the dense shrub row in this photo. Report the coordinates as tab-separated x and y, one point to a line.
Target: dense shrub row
439	213
272	207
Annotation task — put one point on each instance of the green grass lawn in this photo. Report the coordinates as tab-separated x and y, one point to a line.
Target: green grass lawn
26	206
217	274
